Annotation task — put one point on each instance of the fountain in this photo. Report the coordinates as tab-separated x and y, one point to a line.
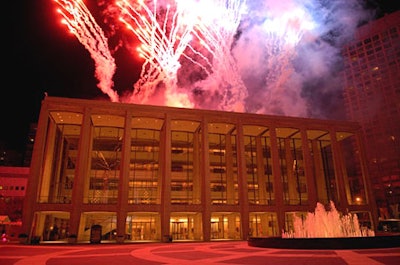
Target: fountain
324	223
326	230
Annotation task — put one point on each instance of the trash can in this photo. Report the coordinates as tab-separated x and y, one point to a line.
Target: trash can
95	234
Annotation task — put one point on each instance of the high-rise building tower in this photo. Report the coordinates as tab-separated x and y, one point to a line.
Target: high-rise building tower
372	98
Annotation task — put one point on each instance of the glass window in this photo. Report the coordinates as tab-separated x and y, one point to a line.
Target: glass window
143	226
106	147
61	150
225	225
322	163
352	171
185	162
186	226
55	225
263	224
292	166
105	221
260	181
144	168
223	163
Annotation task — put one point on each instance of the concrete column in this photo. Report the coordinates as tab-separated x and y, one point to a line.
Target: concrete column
308	169
230	178
276	171
32	190
197	185
339	172
165	164
261	172
205	175
123	184
242	182
82	173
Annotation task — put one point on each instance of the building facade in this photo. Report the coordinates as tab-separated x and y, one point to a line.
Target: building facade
13	183
152	173
372	98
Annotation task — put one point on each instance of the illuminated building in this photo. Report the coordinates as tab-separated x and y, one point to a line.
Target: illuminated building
372	98
147	173
13	183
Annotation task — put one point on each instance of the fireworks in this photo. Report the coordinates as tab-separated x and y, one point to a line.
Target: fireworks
82	24
282	34
232	55
164	35
215	30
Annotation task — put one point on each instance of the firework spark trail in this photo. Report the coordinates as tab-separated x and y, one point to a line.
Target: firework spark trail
151	73
164	40
215	30
281	35
284	32
82	24
231	59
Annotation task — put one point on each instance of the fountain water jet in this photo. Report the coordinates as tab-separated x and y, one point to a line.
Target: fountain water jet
330	224
326	230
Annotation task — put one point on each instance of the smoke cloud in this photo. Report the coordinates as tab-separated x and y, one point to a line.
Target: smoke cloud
300	78
259	56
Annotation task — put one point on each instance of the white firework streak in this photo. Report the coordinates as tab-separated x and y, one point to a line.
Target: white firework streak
162	46
81	23
282	35
215	29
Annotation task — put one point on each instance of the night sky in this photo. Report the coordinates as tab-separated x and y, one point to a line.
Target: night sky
42	57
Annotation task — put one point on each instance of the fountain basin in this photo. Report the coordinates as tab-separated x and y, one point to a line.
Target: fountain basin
326	243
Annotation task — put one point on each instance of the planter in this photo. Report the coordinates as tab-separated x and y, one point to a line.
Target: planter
72	239
120	239
23	238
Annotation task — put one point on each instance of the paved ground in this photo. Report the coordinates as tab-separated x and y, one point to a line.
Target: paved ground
237	252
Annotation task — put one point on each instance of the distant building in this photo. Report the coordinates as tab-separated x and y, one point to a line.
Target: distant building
372	98
11	157
13	183
152	173
29	144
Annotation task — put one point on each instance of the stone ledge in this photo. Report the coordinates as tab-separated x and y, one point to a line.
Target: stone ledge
326	243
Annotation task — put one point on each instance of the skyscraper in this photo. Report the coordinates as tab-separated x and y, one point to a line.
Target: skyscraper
372	98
